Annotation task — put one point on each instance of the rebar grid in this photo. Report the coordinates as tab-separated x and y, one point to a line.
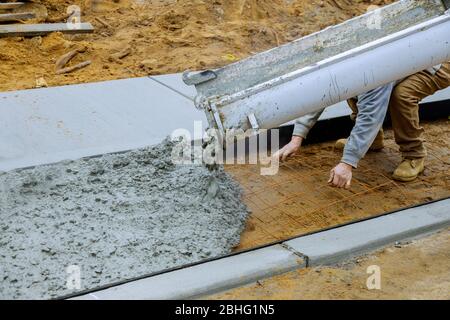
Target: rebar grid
298	199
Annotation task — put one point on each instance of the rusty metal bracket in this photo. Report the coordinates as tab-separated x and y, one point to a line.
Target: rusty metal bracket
253	121
196	78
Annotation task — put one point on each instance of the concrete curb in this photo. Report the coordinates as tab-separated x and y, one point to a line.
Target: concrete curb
327	247
332	246
206	278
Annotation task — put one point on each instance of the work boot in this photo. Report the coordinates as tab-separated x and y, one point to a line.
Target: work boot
377	144
409	169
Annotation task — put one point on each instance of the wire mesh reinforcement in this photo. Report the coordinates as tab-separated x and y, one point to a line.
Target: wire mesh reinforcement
298	199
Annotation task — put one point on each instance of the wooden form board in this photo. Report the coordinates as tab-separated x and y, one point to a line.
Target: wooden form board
7	17
32	30
10	5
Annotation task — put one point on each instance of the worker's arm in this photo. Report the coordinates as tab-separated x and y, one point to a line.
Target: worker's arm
304	124
372	108
301	129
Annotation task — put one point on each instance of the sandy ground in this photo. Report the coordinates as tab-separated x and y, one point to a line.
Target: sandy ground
416	270
298	200
165	36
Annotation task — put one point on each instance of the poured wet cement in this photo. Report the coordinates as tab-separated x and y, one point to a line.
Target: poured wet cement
115	217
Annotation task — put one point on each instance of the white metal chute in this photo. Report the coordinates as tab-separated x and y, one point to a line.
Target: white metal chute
333	81
280	85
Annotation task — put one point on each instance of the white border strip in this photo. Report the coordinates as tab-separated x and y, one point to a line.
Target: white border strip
206	278
335	245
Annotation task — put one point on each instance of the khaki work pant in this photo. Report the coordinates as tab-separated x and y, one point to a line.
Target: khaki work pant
404	108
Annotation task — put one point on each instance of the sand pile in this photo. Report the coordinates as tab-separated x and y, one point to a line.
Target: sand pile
165	36
115	217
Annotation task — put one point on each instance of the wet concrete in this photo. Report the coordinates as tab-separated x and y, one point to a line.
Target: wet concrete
116	217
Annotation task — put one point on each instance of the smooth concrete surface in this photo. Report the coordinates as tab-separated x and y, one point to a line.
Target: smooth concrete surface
328	247
47	125
206	278
175	82
438	96
335	245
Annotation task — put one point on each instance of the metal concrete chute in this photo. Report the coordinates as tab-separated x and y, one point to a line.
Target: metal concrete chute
314	72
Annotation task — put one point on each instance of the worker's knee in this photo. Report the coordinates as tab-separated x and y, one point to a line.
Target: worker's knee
403	94
443	76
445	70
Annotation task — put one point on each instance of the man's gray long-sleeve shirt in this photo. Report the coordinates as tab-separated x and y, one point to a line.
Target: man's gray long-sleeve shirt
372	108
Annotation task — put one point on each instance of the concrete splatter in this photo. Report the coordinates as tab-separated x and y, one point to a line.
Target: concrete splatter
115	217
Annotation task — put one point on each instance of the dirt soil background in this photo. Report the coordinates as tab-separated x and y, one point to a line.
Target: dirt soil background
416	270
164	36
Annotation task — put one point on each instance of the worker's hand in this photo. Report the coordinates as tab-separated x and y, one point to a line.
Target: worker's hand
341	176
289	149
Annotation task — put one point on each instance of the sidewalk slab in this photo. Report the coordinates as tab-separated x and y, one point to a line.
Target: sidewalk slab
175	82
438	96
48	125
335	245
206	278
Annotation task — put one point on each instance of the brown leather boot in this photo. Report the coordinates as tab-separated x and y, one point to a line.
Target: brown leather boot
377	144
409	169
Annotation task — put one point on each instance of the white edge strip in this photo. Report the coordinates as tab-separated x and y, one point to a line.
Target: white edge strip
206	278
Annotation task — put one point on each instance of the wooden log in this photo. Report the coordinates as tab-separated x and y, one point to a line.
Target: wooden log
10	5
120	55
74	68
65	58
33	30
10	17
63	17
103	22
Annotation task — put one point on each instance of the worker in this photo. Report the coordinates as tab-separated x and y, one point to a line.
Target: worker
404	110
372	107
369	110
